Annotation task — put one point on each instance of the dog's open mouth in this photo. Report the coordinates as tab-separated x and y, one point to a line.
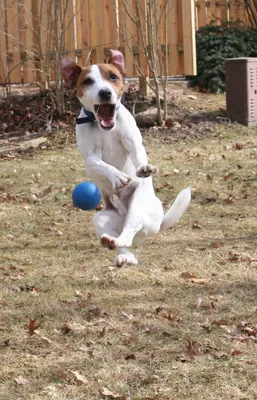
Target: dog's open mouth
105	114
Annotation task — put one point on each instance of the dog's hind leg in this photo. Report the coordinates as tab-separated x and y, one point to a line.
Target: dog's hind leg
143	219
108	226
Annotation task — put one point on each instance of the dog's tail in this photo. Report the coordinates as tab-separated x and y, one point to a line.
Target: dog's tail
177	209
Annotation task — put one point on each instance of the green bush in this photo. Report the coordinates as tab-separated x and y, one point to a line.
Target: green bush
214	45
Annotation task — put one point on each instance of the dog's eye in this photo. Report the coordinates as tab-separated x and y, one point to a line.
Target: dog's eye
113	77
88	81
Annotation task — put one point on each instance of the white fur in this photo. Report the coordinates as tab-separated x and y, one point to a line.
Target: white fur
113	159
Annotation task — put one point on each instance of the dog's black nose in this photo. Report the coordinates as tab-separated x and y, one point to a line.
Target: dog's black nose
105	94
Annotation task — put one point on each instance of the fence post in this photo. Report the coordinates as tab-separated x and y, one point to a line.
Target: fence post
188	16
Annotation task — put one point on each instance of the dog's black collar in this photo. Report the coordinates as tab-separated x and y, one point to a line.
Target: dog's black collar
89	116
84	120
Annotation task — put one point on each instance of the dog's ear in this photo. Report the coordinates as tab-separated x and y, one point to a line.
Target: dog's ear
70	71
117	59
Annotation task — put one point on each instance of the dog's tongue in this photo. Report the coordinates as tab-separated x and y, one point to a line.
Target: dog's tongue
105	114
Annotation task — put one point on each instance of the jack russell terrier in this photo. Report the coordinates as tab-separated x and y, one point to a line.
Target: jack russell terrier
116	160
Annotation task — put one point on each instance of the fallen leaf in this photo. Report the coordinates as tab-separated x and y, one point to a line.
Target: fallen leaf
72	327
66	328
250	362
150	379
192	278
206	327
130	357
169	122
102	332
35	292
16	277
187	275
108	393
238	146
20	380
61	373
171	315
32	326
97	311
78	293
220	355
183	358
243	339
233	257
236	352
229	200
198	281
248	328
194	348
129	316
81	379
199	302
196	225
5	343
46	339
250	259
53	390
47	189
221	322
216	245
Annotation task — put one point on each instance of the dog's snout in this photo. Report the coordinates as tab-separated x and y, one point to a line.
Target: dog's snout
105	94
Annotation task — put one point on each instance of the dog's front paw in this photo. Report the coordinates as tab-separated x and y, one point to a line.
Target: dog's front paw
146	170
108	241
120	180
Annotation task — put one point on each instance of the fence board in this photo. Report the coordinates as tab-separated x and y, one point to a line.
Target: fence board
27	37
143	23
224	11
180	45
127	32
83	33
40	39
3	50
111	32
173	38
212	13
201	13
189	37
242	16
93	29
70	15
13	38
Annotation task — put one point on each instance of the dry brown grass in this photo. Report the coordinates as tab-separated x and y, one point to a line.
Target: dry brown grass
149	332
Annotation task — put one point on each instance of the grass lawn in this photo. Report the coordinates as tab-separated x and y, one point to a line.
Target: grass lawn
180	325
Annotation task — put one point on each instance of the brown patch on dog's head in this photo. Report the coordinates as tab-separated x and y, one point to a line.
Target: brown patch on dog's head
112	75
83	81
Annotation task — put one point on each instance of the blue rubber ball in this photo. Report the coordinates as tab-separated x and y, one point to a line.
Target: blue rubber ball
86	196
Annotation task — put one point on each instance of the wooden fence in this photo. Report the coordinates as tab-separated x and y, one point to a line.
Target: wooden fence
217	12
33	32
